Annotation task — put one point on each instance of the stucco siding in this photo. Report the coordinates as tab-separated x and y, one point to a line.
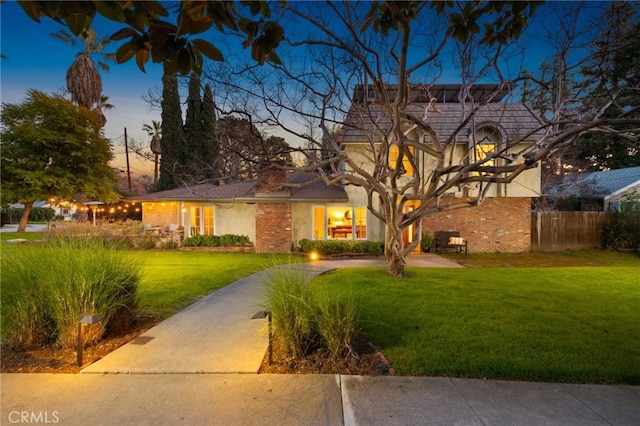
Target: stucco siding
302	221
527	184
238	219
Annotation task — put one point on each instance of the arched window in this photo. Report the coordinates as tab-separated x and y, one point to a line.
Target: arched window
486	142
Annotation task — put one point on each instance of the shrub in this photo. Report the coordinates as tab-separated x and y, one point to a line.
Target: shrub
128	235
146	242
45	290
169	245
305	320
41	214
427	241
622	228
225	240
329	247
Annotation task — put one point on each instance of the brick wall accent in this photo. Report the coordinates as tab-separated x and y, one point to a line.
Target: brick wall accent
498	225
273	228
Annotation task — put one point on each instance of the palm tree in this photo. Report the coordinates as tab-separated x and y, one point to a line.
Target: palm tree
83	77
155	131
102	104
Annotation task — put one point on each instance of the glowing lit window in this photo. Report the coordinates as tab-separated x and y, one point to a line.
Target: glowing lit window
394	152
201	221
487	141
207	220
340	222
319	223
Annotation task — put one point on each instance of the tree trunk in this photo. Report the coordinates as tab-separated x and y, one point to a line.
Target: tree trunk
394	252
155	169
22	227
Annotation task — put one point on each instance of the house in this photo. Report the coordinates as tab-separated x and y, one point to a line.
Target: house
596	191
278	209
274	211
502	223
62	210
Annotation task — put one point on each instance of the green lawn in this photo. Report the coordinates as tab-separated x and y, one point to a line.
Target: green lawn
173	280
29	236
565	324
520	317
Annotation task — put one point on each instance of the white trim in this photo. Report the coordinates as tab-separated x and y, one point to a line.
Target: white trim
621	190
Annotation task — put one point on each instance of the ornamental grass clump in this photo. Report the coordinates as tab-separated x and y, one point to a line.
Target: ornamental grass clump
290	300
305	320
25	322
337	323
47	289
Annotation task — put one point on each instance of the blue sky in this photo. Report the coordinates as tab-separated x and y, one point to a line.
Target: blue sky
37	60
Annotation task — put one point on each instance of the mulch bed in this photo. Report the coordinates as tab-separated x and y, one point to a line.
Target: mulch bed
53	359
366	361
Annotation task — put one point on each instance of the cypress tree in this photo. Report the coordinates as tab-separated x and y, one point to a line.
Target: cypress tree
210	144
172	135
194	165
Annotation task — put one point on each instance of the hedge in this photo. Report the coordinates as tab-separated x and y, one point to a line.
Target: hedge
329	247
225	240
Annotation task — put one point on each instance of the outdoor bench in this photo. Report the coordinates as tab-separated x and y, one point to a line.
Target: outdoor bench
450	240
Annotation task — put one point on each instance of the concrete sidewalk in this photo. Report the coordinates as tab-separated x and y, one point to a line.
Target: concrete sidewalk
271	399
158	379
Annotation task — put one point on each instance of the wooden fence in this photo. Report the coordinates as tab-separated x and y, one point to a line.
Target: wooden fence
555	231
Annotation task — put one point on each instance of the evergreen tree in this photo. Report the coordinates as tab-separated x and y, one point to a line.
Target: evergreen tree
193	163
210	145
172	135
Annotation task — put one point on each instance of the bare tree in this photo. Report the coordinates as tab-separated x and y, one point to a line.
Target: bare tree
590	73
372	69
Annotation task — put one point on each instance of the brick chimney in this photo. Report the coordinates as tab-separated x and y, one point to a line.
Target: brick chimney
271	183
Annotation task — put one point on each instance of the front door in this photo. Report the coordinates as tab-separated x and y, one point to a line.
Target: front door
408	234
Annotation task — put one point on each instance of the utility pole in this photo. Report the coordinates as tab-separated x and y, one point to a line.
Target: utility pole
126	151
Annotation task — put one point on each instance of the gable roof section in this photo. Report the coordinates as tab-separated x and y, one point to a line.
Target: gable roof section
597	184
517	120
245	191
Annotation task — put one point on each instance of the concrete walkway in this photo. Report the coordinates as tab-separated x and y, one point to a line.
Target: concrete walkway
154	380
216	334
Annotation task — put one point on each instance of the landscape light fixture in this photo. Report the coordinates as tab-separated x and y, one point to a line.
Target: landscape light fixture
84	320
313	256
262	315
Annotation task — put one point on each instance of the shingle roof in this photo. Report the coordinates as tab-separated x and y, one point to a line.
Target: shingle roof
518	122
245	191
597	184
443	93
